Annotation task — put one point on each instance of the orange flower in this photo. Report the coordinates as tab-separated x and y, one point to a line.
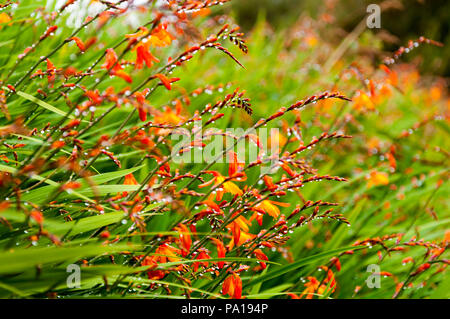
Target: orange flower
313	285
141	104
140	34
407	260
269	182
144	55
160	37
169	116
165	253
211	204
227	187
234	168
363	102
202	254
377	179
239	229
236	230
336	263
447	237
232	286
184	239
421	269
122	74
37	216
4	18
112	64
130	180
201	12
71	185
165	80
51	71
260	255
220	251
110	59
79	43
268	206
392	75
58	144
276	139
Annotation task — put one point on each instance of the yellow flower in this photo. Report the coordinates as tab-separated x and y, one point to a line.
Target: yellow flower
227	187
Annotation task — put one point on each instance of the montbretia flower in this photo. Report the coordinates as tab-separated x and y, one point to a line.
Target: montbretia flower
110	59
168	116
185	239
79	43
240	231
113	65
421	269
165	80
377	178
141	104
314	286
407	260
235	168
51	73
48	32
270	207
37	216
160	37
141	34
226	184
203	253
336	263
144	55
163	254
4	18
261	256
71	185
221	251
363	102
226	187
